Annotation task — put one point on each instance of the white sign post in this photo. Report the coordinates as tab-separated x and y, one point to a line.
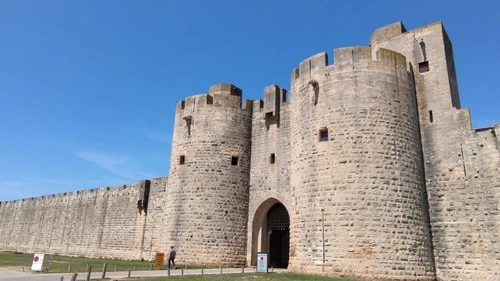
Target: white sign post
37	262
262	262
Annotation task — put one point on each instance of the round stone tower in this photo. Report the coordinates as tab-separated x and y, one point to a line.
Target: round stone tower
207	195
359	205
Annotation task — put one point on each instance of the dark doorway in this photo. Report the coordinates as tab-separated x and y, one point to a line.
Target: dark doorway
278	226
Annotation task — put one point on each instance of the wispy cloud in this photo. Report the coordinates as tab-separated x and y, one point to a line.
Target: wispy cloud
117	165
11	190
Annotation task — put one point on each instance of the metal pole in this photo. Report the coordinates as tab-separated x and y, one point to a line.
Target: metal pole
89	272
323	222
104	267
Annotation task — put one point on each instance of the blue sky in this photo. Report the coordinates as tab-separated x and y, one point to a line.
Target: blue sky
88	88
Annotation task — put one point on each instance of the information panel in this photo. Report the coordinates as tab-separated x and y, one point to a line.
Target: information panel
261	262
37	262
159	259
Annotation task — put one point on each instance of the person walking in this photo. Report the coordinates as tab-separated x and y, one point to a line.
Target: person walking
171	257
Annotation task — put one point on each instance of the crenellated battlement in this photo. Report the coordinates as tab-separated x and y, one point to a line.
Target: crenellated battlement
225	89
123	188
348	58
220	95
387	32
391	31
307	66
274	97
488	135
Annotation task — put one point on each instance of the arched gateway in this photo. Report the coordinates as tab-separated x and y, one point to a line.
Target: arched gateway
271	233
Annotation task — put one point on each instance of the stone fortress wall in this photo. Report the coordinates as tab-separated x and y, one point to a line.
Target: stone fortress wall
102	222
376	164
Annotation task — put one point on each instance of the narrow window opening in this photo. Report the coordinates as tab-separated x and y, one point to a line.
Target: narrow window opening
272	158
431	117
323	134
234	160
283	97
183	104
182	159
210	99
423	66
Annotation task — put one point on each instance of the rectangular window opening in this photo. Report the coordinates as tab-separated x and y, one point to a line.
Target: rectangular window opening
234	160
210	99
182	159
431	117
183	104
283	97
423	67
272	158
323	134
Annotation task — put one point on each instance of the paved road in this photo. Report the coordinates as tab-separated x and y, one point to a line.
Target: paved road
16	274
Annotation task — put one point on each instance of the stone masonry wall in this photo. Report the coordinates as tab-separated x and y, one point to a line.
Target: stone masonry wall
269	182
366	176
155	228
462	165
103	222
207	199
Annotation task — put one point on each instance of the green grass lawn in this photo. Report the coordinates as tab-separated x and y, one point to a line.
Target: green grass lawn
63	264
246	277
76	264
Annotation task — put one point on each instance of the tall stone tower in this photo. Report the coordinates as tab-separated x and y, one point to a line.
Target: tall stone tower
357	166
462	165
207	199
